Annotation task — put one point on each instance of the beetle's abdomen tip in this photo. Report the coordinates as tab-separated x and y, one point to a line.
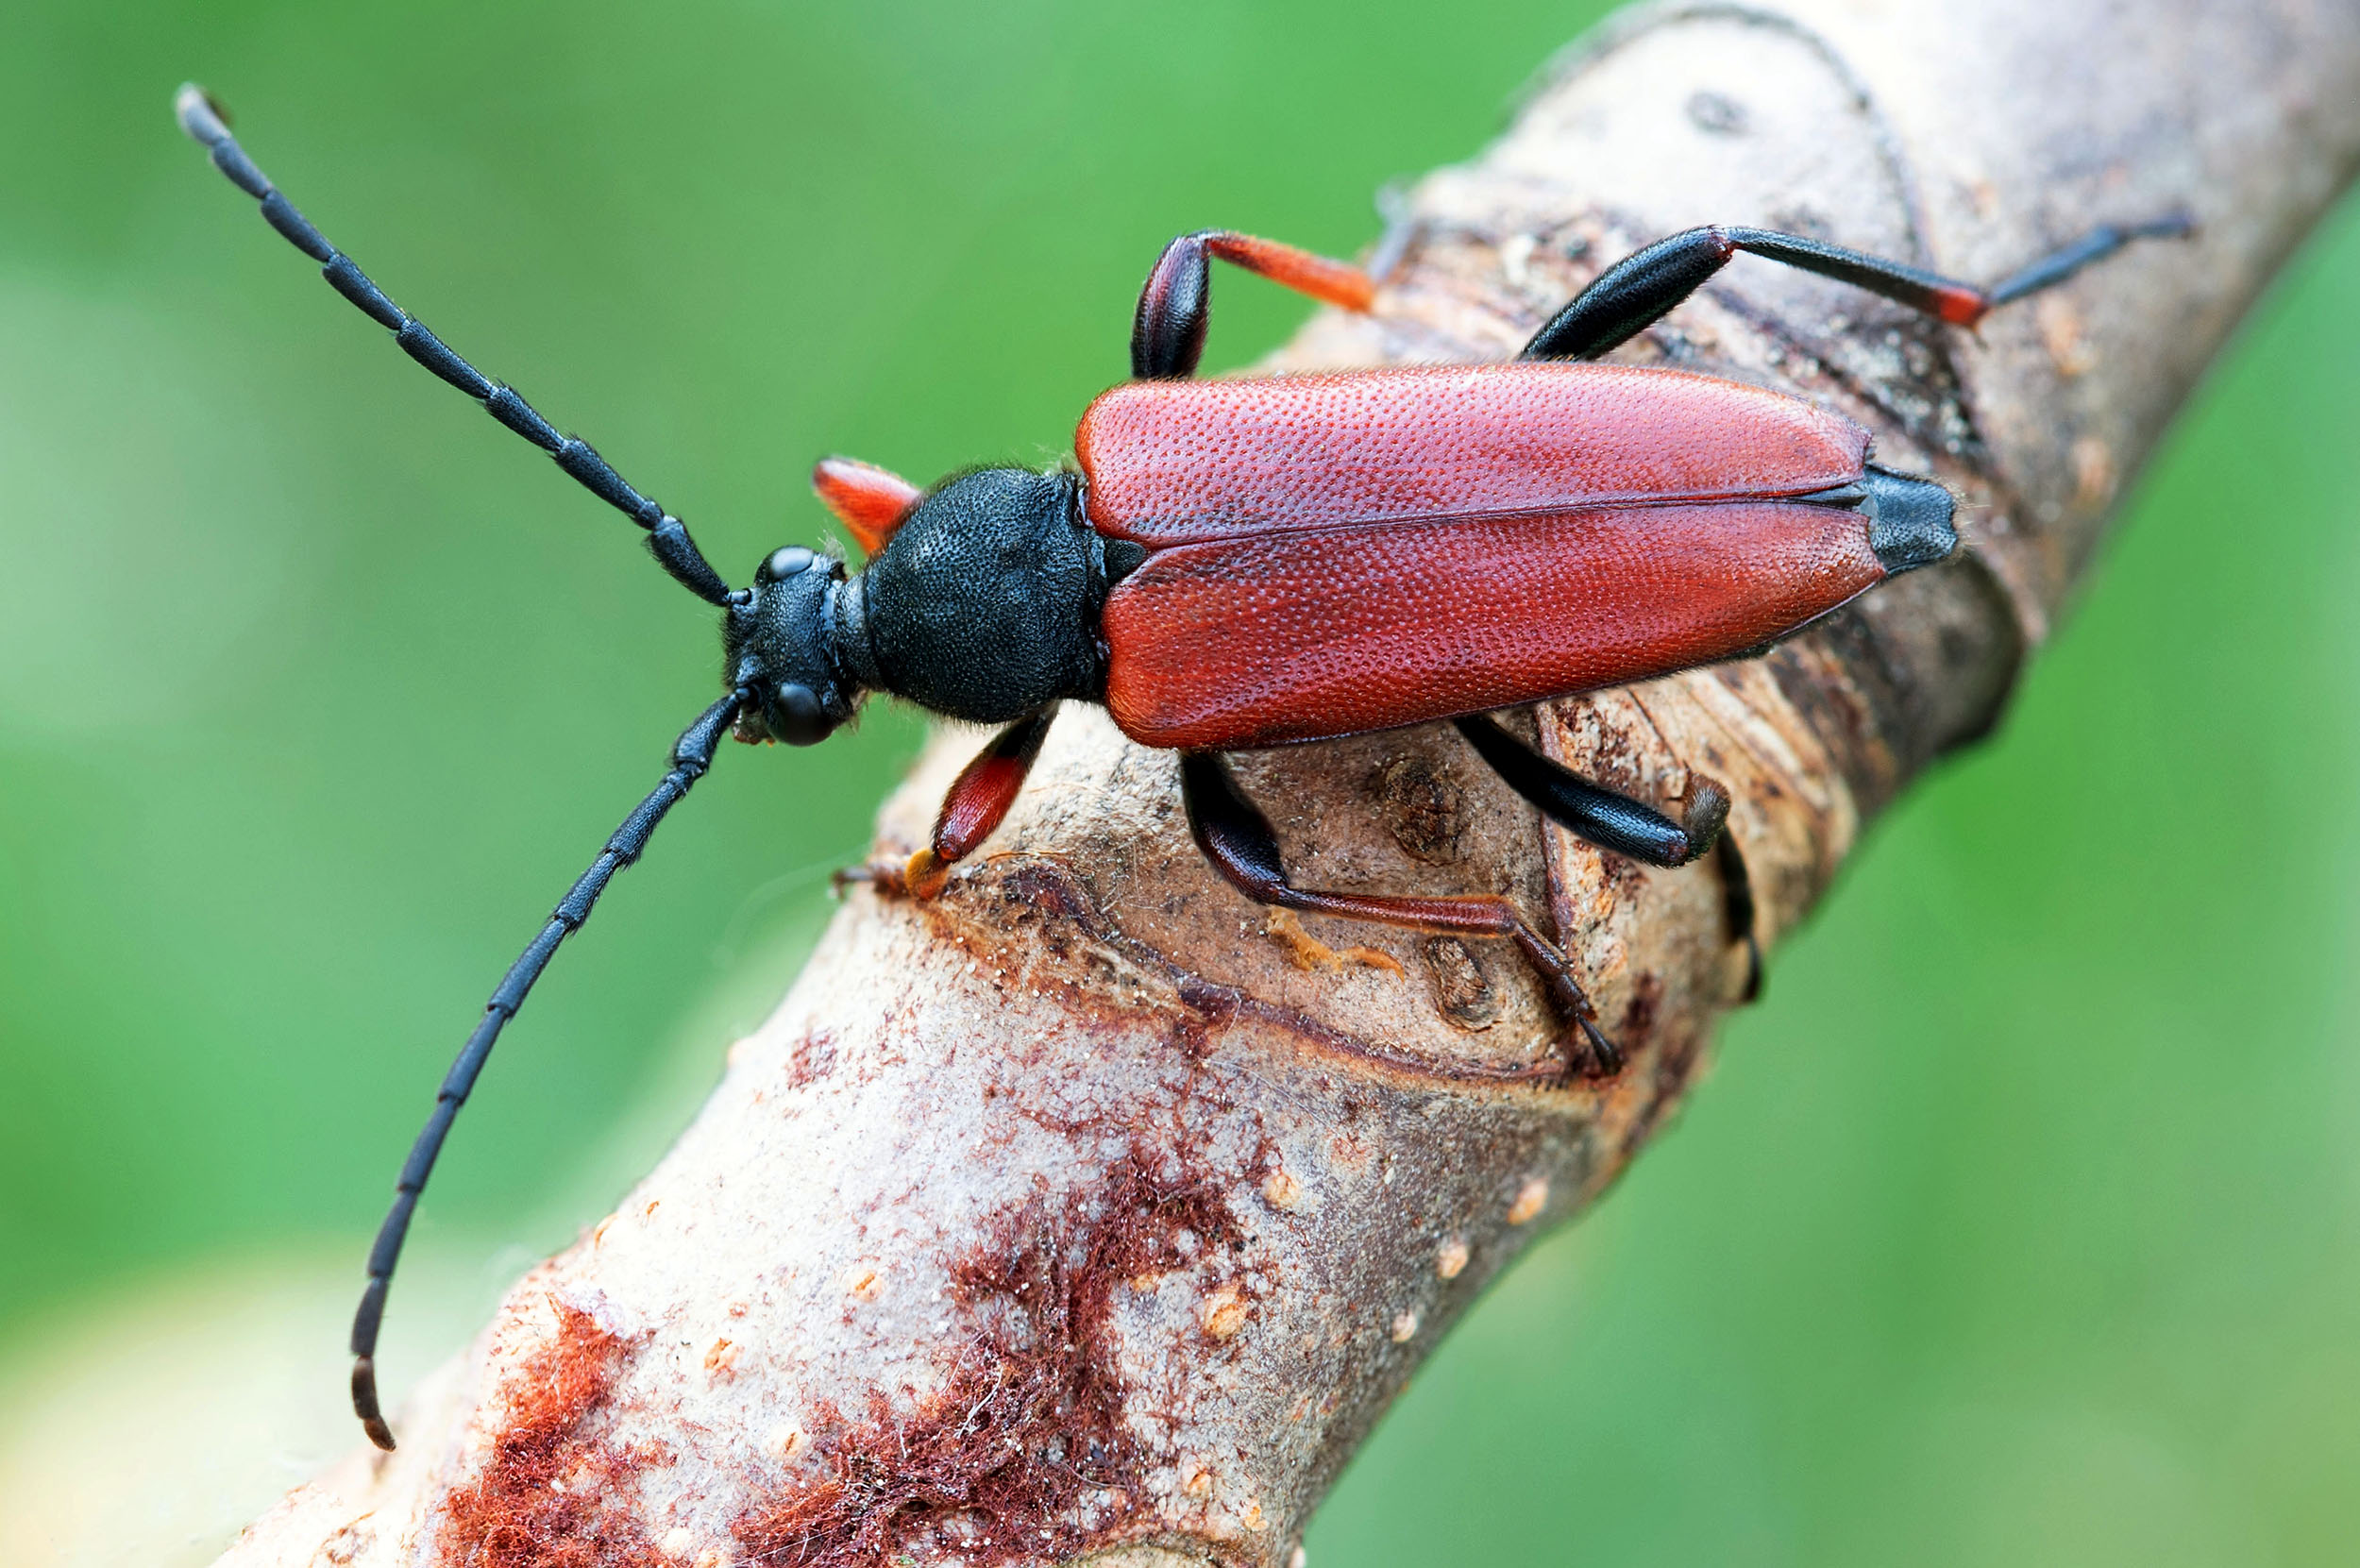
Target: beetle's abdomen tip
1909	521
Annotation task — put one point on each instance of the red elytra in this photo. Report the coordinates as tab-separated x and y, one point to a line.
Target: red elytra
1337	554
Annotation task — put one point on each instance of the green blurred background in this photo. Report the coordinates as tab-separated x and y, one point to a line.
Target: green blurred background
2022	1225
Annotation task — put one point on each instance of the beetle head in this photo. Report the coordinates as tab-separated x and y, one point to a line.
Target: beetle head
781	646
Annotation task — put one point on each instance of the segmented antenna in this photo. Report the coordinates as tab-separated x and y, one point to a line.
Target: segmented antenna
691	756
668	538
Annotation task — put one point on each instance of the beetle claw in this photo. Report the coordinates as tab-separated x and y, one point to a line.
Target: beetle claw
1605	1059
922	877
886	876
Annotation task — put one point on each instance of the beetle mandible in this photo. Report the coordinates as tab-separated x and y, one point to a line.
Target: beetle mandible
1253	561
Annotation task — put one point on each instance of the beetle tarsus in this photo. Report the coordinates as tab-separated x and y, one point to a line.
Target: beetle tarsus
1606	1057
1737	910
925	876
888	878
1624	826
1706	812
2094	247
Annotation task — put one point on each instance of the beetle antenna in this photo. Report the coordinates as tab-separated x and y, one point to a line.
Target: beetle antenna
668	538
692	755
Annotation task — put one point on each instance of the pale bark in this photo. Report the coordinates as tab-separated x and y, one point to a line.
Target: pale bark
1088	1209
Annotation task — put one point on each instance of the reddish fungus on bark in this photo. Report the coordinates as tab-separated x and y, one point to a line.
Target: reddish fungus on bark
550	1495
1028	1451
813	1058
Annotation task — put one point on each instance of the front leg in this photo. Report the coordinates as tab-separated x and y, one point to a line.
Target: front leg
978	801
1236	839
1168	331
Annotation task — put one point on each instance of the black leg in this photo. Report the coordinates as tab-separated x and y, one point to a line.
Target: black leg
1635	292
668	539
691	756
1737	909
1236	839
1167	330
1617	822
1594	812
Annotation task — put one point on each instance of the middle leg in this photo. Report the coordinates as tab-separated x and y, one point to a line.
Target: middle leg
1236	839
1598	815
1612	821
1168	331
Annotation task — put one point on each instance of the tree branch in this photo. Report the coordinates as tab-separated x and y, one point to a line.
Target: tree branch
1087	1208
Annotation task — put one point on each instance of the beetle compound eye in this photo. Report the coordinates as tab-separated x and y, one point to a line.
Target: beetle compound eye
784	562
796	717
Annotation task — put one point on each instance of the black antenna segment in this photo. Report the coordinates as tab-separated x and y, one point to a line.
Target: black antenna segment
692	755
668	538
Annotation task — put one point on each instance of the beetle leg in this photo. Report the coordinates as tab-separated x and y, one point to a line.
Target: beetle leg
1236	839
1598	815
1168	331
1737	909
978	800
1612	821
1636	292
869	501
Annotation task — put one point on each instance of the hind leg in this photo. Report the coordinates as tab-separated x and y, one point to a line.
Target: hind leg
1236	839
1636	292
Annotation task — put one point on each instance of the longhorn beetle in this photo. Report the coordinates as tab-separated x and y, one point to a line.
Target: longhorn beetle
1250	563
